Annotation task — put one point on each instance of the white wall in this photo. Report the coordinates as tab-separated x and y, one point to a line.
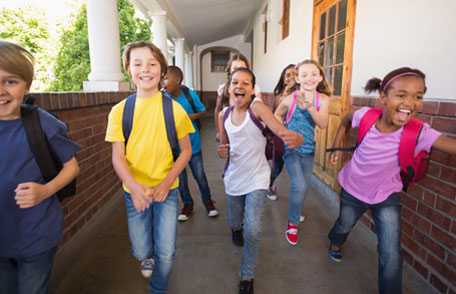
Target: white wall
415	33
211	80
296	47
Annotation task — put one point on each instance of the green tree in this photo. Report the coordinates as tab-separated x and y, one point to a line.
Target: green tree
73	63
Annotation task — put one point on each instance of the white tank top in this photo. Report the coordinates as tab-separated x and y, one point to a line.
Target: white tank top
248	169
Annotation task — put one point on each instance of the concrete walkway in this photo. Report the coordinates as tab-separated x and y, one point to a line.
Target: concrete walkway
99	261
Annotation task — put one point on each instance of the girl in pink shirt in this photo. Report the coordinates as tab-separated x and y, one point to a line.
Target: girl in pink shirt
371	179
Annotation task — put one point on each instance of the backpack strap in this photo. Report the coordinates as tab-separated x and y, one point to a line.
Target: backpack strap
407	145
255	120
127	117
367	121
292	107
167	104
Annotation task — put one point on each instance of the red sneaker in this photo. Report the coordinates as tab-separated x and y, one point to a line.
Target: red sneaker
292	234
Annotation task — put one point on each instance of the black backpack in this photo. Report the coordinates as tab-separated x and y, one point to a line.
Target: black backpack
167	104
189	98
45	157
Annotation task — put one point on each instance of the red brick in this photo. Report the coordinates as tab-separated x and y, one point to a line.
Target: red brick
413	247
448	174
407	229
409	201
416	191
440	156
447	125
439	187
408	258
421	269
443	238
438	284
446	206
444	270
434	169
437	218
429	198
447	109
430	107
433	247
451	260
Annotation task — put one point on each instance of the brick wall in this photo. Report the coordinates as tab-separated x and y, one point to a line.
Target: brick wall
429	207
86	116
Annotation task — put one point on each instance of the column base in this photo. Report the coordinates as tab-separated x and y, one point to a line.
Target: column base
106	86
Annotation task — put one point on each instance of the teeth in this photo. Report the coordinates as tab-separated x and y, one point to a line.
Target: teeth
3	102
405	111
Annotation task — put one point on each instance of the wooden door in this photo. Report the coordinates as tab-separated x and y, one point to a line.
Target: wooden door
332	46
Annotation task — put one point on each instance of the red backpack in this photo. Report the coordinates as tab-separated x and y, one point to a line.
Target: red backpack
413	168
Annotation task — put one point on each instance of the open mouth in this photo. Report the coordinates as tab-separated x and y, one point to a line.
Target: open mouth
403	114
239	94
145	78
4	101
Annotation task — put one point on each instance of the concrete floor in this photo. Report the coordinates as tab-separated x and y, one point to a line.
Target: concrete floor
99	260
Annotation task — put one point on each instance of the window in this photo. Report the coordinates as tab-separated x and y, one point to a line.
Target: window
285	22
219	60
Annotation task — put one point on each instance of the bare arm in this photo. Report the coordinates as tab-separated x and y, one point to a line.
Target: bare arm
160	192
217	109
321	117
198	115
223	147
445	144
282	109
30	194
344	127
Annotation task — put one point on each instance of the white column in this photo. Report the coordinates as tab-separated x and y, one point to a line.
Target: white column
188	72
159	32
104	45
179	53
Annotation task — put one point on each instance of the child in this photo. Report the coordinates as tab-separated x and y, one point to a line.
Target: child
145	165
31	218
304	109
247	174
370	180
174	77
223	97
285	86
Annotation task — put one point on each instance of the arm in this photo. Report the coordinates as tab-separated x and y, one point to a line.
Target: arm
31	194
217	110
223	147
282	109
344	127
160	192
292	139
198	115
445	144
320	117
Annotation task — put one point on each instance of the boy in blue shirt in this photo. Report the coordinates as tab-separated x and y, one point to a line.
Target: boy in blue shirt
31	218
195	109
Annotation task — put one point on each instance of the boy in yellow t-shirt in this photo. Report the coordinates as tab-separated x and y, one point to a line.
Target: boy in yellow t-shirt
146	167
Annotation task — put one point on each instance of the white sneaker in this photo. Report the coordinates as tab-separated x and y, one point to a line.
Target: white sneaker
271	196
147	267
302	218
213	213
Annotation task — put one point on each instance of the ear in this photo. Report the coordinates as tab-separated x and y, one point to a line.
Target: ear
382	98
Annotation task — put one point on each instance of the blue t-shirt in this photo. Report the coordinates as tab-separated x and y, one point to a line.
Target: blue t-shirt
30	231
195	137
303	123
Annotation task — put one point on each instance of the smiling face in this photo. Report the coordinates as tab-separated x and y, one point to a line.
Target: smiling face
241	89
12	91
402	99
145	70
172	81
309	77
290	77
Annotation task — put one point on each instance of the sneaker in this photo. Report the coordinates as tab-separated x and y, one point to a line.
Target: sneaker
237	237
211	210
302	218
335	254
186	213
292	234
147	267
246	287
272	193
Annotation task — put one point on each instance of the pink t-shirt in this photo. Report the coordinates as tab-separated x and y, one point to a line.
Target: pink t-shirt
373	173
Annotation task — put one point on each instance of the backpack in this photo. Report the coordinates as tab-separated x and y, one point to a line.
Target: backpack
45	157
413	168
189	98
167	104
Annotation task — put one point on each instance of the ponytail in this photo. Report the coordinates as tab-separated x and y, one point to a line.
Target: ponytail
373	85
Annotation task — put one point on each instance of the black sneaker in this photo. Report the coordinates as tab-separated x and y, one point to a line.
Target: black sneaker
237	237
335	254
246	287
186	212
211	210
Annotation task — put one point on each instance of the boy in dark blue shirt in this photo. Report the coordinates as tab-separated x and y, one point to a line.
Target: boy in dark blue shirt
31	219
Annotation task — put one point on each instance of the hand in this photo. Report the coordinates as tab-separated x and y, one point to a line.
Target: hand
30	194
217	137
160	192
223	150
292	139
139	197
334	157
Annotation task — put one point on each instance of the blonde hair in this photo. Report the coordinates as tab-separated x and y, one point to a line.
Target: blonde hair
17	60
156	52
323	86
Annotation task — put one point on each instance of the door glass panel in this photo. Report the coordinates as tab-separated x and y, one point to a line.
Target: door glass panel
332	20
338	80
328	74
340	48
322	26
321	52
342	15
330	52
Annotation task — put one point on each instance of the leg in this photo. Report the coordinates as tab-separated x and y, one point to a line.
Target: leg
387	218
277	167
34	272
254	204
164	231
235	207
197	167
184	191
351	209
8	275
139	230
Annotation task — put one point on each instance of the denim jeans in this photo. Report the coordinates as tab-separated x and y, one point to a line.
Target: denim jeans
299	167
153	235
387	219
246	212
26	275
197	167
277	167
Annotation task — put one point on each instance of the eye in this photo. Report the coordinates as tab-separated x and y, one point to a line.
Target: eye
11	82
419	97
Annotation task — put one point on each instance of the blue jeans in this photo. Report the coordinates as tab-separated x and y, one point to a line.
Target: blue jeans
246	212
387	219
197	167
277	167
153	235
26	275
299	167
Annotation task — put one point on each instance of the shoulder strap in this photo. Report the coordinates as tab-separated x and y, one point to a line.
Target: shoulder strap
127	117
167	103
37	141
226	114
292	108
255	120
367	121
317	101
408	142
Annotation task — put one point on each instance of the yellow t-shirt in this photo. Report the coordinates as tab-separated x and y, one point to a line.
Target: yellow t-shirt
148	151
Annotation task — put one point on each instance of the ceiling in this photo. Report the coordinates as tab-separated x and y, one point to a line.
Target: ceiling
205	21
